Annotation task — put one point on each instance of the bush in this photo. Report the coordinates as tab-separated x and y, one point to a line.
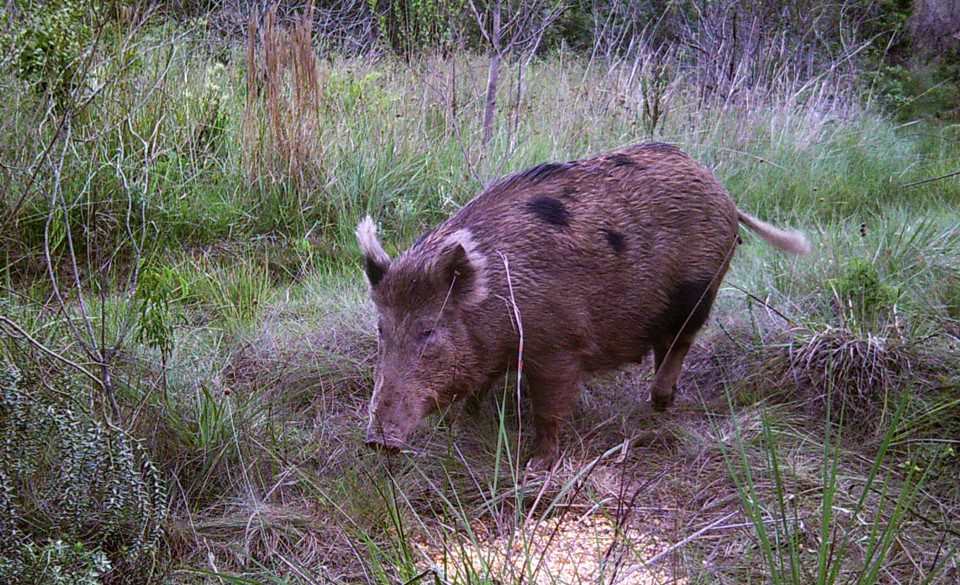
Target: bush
863	298
57	563
78	499
409	26
46	42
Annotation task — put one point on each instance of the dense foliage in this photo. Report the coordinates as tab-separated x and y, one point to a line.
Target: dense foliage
77	497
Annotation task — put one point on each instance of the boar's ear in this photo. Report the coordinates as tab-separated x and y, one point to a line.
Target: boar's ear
376	260
460	268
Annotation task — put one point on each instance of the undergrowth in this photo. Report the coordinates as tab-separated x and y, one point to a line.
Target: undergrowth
181	290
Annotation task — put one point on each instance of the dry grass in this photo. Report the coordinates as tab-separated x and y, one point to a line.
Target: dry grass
632	486
837	370
282	125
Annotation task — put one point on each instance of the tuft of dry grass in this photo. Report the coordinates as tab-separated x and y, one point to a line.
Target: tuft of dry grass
282	119
853	372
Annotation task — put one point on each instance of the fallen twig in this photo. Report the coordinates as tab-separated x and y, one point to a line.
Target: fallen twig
765	304
930	180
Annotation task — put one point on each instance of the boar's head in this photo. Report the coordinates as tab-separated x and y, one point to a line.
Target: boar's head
425	358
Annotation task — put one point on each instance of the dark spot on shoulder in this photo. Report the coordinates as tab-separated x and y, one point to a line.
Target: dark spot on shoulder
661	147
549	210
623	160
688	307
616	241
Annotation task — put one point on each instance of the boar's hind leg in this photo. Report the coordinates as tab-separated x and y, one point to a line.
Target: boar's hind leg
552	395
687	311
669	362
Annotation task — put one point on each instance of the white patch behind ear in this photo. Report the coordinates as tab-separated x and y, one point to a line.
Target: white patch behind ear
369	244
477	261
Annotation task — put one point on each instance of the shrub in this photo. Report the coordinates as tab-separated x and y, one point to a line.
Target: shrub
409	26
158	287
863	298
46	43
77	498
57	563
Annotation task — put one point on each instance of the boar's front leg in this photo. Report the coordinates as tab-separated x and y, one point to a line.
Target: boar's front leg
553	391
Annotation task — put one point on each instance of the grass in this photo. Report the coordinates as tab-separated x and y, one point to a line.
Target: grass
791	560
814	438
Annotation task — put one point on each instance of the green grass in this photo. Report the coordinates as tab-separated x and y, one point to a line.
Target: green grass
781	524
389	145
812	440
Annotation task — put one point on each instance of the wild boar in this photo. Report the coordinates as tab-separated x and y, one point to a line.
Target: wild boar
595	262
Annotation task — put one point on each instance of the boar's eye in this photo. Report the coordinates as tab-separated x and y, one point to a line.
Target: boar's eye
424	335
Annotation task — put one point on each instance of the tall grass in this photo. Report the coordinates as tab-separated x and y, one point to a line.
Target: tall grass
271	139
851	546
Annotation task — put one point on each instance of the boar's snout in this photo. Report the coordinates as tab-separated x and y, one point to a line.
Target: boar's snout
393	417
377	443
383	439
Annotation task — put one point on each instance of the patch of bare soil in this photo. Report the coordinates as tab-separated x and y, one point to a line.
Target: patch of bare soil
589	548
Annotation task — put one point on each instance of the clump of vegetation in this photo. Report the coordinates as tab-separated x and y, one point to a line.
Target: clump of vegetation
803	539
840	369
862	298
410	26
78	498
48	43
57	563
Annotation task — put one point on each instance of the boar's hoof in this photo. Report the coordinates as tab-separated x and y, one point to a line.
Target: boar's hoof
659	402
543	458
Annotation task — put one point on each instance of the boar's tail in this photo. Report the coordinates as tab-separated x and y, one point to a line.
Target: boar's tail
792	242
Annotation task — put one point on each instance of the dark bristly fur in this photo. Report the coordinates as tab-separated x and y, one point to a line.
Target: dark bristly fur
539	173
616	241
622	160
550	210
374	271
662	147
688	307
606	258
